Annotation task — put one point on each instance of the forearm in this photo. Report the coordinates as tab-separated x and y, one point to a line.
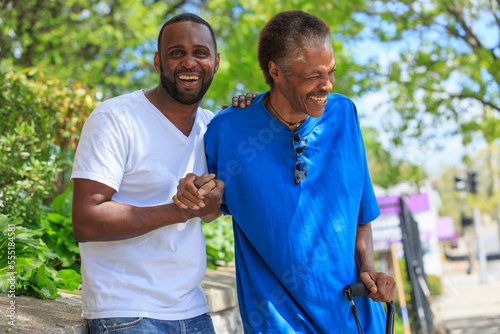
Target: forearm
110	220
364	248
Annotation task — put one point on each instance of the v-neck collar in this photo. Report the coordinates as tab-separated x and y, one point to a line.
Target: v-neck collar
175	130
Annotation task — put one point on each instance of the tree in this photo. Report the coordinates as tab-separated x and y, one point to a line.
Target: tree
448	71
104	44
237	25
446	79
387	171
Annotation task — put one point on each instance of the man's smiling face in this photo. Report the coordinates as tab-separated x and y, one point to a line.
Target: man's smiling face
310	80
187	61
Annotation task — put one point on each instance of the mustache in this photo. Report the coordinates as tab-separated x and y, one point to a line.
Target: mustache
321	93
188	71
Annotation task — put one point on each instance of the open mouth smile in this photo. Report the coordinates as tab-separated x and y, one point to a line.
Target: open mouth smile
319	99
189	78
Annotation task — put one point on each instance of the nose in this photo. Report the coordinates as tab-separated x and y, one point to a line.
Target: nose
326	83
188	62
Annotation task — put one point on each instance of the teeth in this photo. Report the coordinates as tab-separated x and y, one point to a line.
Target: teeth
186	77
319	99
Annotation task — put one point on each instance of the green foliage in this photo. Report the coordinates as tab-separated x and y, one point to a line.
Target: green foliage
40	121
408	293
26	169
58	235
435	285
398	323
97	42
219	241
237	26
385	170
447	77
24	257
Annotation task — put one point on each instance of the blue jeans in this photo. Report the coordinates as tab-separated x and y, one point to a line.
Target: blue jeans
198	325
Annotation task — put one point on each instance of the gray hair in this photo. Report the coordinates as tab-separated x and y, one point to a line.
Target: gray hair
285	36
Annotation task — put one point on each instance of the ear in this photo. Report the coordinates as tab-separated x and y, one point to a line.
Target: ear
157	62
274	71
217	62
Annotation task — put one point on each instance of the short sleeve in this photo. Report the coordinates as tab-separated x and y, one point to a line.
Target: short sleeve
368	209
101	154
211	151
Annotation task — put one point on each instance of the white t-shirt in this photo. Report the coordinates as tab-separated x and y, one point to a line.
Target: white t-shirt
129	145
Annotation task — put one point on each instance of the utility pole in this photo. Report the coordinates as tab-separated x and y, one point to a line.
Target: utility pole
493	165
481	254
469	184
476	214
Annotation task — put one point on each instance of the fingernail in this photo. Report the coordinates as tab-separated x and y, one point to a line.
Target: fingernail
202	205
201	192
196	207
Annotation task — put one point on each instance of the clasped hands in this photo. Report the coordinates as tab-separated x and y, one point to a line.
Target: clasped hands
202	194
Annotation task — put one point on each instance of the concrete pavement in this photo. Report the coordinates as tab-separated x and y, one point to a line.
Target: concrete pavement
467	306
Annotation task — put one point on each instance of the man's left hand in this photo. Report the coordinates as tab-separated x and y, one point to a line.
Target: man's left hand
381	285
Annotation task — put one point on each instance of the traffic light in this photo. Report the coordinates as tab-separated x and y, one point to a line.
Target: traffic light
466	182
460	184
472	182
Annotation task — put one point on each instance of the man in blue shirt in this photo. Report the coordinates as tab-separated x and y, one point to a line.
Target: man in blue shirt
299	190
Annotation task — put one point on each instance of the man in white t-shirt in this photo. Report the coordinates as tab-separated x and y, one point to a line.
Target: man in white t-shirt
143	258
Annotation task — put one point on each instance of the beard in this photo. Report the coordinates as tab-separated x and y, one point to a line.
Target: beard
184	98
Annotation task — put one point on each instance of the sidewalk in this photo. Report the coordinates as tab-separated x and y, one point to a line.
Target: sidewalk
467	306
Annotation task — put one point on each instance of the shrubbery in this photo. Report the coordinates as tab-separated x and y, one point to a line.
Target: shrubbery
40	121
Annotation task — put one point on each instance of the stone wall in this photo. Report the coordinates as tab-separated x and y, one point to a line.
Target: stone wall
33	315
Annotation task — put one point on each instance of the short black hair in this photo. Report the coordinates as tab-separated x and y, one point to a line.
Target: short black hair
187	17
285	35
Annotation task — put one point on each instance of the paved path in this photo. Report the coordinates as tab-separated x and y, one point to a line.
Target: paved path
468	307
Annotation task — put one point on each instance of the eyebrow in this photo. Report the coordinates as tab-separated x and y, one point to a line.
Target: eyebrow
180	46
319	72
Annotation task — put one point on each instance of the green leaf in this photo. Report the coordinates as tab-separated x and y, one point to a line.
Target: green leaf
69	279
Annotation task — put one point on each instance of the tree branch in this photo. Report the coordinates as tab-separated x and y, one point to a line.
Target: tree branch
174	7
494	11
469	37
470	96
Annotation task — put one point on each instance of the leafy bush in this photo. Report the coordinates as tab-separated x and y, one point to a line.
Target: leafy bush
58	235
219	241
40	122
24	257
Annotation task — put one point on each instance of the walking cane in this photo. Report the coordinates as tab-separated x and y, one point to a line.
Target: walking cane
359	289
